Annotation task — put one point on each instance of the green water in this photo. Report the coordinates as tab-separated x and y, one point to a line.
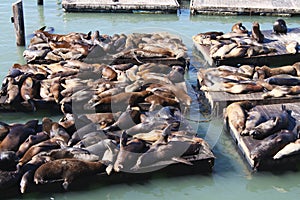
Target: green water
230	179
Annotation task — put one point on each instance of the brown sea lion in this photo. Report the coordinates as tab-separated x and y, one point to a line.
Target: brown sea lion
68	170
236	116
4	130
279	26
31	140
288	69
109	73
256	33
156	101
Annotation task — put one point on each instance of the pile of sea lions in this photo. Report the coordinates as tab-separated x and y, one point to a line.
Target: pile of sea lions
99	143
94	86
242	43
271	82
272	136
46	47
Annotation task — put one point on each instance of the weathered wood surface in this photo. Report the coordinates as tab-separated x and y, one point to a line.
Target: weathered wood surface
278	42
119	5
246	7
220	100
18	20
247	143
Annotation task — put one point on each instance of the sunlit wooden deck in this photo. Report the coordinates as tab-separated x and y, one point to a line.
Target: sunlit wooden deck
246	7
152	6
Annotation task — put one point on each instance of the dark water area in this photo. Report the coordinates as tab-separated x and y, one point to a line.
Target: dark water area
230	179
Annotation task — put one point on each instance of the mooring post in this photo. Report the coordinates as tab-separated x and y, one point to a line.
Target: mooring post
18	21
40	2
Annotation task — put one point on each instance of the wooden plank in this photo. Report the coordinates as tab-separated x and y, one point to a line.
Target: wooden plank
18	20
242	7
119	5
246	143
278	42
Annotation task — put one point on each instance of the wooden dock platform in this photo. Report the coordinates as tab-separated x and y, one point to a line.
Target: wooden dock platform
220	100
246	144
242	7
272	41
135	6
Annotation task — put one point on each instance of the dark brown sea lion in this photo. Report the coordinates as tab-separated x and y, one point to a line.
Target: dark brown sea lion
275	124
129	153
256	33
8	161
17	135
68	170
127	119
254	118
235	114
156	101
4	129
283	79
279	26
269	146
239	28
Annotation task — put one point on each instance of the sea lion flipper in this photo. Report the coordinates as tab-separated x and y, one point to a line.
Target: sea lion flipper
182	160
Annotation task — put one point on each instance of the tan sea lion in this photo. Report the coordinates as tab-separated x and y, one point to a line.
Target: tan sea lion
235	114
68	170
239	28
256	33
292	47
290	149
288	69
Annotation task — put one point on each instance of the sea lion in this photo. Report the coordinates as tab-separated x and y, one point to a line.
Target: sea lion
156	101
8	161
275	124
289	150
238	88
78	135
280	91
128	153
239	51
163	150
269	146
222	51
283	79
31	140
109	73
17	135
127	119
235	114
4	130
256	33
68	170
288	69
279	26
239	28
292	47
103	119
254	118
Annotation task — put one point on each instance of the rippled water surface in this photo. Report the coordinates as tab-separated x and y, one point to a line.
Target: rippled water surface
230	179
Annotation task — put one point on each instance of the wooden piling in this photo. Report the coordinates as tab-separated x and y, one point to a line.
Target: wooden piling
18	21
40	2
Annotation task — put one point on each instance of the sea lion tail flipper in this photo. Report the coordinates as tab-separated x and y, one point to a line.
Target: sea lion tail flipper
182	160
109	169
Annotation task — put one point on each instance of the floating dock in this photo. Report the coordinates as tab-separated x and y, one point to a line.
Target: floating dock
242	7
135	6
246	143
278	42
220	100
